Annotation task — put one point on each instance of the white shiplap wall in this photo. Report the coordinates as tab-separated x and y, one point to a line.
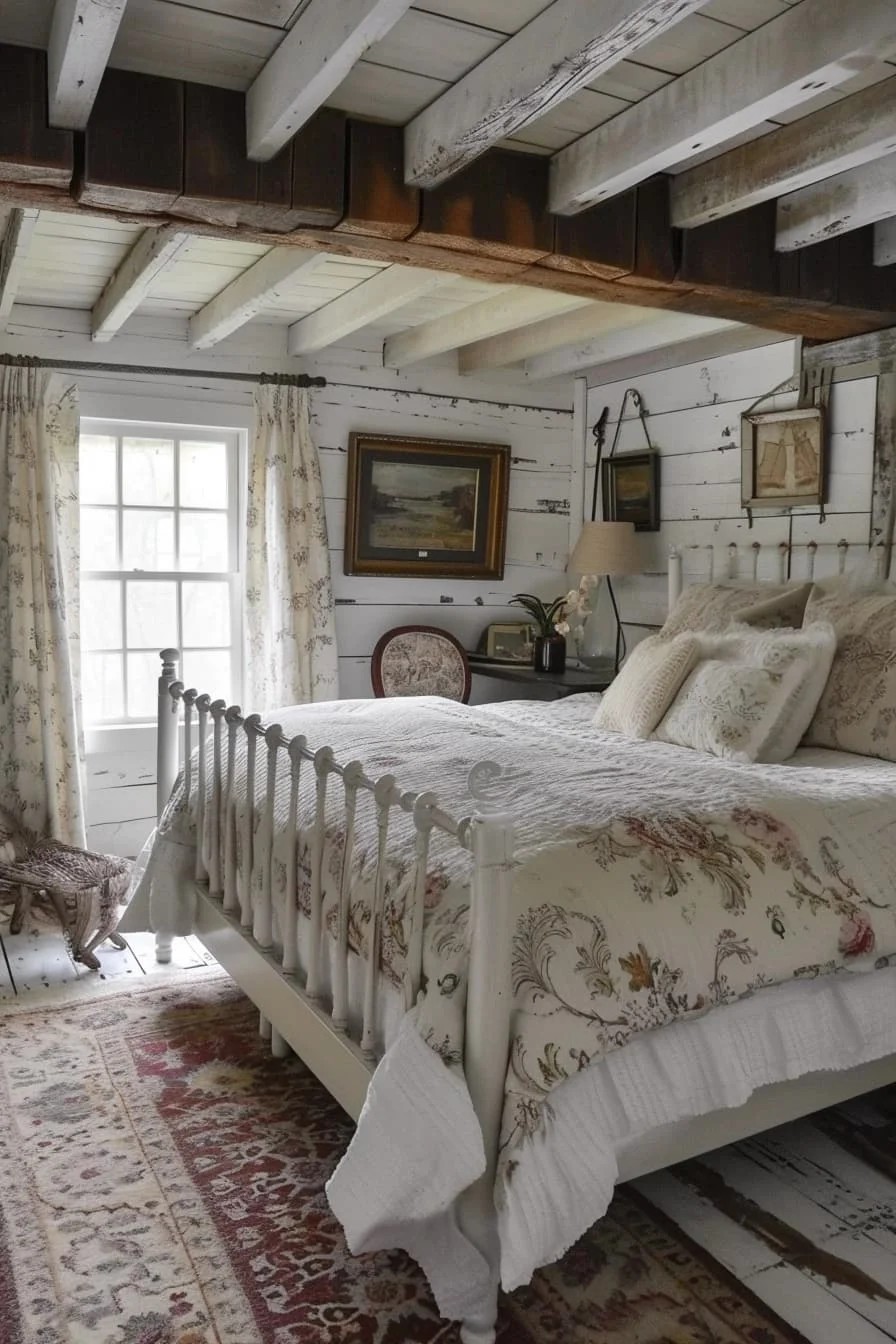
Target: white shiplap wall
431	399
695	424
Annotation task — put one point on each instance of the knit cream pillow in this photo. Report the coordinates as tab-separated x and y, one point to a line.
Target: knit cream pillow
753	692
638	698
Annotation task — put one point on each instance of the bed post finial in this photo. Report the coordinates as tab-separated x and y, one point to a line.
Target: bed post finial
675	579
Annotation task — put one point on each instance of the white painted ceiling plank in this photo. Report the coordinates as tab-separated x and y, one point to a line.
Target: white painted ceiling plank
666	329
885	242
13	255
694	351
247	295
311	61
366	303
837	205
81	39
855	130
511	347
513	308
153	252
558	53
813	46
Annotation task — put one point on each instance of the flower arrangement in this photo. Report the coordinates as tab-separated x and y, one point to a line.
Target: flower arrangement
552	617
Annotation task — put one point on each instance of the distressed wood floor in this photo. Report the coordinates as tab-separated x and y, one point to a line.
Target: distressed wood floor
805	1214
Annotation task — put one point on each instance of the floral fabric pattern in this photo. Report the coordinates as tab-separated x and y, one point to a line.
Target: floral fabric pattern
420	662
713	606
857	709
288	600
41	747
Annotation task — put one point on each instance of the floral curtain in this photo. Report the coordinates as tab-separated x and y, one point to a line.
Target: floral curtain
41	746
290	631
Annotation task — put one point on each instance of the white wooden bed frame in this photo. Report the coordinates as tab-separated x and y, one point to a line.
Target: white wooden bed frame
293	1013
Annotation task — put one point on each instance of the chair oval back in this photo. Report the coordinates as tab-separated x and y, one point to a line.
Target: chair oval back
420	660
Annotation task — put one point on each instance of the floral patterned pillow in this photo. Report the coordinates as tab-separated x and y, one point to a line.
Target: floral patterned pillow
713	606
752	694
857	709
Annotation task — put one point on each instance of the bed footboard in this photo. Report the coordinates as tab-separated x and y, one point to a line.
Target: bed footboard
239	931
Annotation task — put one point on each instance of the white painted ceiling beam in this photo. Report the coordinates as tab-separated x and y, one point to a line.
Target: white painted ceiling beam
562	49
250	293
13	255
854	131
694	351
81	38
837	205
368	302
885	242
312	60
154	251
512	347
666	329
812	47
512	308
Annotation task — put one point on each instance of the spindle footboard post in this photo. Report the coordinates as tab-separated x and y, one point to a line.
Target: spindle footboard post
166	759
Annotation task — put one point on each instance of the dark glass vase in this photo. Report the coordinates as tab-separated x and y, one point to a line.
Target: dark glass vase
550	653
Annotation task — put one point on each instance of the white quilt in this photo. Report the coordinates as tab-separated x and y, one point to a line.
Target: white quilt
654	884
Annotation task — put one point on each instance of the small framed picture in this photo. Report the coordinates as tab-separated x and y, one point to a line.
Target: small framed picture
510	643
783	458
631	490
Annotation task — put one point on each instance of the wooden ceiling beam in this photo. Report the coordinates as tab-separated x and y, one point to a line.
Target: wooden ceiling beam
512	347
854	131
694	351
154	251
885	242
562	49
368	302
861	349
665	329
81	39
502	312
837	205
812	47
310	63
13	254
252	291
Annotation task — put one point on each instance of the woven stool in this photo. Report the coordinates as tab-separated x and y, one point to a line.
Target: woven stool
85	890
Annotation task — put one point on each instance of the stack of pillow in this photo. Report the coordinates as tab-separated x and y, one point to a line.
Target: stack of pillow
749	672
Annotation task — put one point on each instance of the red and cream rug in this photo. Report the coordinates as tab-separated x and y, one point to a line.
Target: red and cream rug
161	1182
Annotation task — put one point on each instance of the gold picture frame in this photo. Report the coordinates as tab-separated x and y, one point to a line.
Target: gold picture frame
426	507
783	458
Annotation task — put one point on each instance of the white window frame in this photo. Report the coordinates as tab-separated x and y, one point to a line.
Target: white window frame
234	438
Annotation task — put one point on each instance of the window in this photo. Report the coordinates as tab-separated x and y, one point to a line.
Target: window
159	563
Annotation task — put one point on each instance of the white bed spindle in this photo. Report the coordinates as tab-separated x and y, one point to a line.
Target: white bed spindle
424	804
233	719
783	561
263	917
351	778
323	762
296	752
250	728
166	741
674	576
842	551
189	699
203	703
382	795
215	883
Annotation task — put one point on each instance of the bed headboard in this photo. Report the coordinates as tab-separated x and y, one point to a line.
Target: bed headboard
755	562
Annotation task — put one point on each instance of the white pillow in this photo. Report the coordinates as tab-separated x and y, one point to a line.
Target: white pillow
644	689
753	693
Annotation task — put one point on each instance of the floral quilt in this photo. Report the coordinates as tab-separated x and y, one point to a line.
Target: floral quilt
653	882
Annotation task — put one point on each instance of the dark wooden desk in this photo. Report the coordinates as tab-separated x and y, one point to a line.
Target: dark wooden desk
543	685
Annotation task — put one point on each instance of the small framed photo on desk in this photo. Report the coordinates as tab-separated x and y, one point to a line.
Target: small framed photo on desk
511	642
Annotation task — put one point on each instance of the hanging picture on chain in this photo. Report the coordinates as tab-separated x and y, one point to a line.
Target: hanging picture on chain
783	458
631	490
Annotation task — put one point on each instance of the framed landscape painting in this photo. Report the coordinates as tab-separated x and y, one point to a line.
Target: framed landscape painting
631	490
425	507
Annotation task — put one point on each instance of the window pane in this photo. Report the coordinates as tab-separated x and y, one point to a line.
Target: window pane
208	671
152	615
143	685
101	614
102	687
147	539
203	475
147	471
203	541
206	613
99	545
97	469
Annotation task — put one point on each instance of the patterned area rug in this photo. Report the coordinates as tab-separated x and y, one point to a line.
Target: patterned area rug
161	1182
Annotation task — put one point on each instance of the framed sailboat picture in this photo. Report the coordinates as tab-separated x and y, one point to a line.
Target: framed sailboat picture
783	458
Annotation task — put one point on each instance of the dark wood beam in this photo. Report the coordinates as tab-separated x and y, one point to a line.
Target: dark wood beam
133	149
496	207
377	200
30	150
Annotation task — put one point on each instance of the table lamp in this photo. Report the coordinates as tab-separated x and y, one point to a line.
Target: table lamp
605	549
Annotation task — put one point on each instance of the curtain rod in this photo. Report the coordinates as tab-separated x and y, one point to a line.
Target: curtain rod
288	379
